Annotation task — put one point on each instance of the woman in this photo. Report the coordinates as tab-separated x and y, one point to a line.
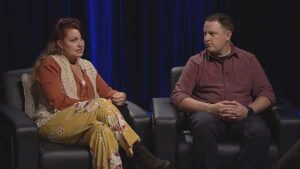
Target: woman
76	106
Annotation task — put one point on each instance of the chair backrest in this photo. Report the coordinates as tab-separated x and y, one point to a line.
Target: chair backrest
175	74
13	87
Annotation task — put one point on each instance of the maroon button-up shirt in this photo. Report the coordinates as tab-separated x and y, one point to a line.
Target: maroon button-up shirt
238	77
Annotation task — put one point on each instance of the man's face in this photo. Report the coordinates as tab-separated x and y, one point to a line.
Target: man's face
216	38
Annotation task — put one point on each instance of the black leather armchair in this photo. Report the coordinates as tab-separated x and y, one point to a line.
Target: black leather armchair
22	147
173	140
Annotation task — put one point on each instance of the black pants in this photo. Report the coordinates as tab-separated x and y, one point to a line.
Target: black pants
290	160
251	132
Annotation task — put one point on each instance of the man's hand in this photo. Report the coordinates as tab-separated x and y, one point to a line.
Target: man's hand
229	110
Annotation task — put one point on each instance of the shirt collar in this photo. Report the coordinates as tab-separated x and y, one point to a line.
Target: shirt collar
232	54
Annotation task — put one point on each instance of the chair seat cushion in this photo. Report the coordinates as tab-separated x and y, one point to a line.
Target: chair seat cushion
228	152
62	156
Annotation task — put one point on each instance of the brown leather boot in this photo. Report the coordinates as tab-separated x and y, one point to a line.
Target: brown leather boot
146	160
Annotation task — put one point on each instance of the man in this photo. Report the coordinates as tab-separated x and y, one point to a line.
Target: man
223	88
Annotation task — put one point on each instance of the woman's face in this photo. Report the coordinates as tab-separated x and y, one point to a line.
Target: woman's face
72	44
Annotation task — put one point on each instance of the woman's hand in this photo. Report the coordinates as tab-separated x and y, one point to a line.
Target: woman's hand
119	98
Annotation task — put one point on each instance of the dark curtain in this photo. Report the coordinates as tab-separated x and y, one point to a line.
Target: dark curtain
133	44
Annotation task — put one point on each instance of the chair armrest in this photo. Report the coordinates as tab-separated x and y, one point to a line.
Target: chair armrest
288	124
139	120
164	126
23	137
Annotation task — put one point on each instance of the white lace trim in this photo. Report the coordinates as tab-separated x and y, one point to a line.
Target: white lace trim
67	77
29	101
40	113
91	72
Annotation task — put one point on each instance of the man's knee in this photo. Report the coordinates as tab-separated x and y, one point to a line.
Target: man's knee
257	129
203	122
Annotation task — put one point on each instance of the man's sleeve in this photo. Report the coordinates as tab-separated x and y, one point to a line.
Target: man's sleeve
186	83
262	86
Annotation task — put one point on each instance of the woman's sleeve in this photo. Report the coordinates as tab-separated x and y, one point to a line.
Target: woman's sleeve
48	77
103	89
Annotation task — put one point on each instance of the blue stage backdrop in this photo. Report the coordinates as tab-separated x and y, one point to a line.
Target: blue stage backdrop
135	43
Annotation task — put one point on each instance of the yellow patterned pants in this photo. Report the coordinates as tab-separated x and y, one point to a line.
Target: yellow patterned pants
97	123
